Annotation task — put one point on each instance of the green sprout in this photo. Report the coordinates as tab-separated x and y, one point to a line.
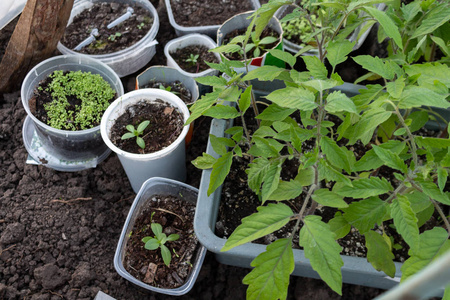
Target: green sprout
259	44
113	37
168	88
140	26
153	243
136	133
192	59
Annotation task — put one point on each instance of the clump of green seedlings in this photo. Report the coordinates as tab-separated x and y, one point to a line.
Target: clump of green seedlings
92	91
158	241
114	36
192	59
136	132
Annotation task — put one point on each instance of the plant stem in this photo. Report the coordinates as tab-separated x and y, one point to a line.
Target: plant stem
441	213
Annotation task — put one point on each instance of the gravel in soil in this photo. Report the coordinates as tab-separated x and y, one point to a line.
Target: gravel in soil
190	13
59	231
109	40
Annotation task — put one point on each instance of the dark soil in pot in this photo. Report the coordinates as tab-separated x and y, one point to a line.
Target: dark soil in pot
166	124
190	13
176	217
175	87
110	40
192	58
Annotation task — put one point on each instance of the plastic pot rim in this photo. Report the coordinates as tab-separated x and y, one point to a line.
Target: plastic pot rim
133	97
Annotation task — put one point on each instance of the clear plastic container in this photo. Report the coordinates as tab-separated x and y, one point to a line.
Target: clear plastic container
84	145
131	59
210	30
157	186
169	162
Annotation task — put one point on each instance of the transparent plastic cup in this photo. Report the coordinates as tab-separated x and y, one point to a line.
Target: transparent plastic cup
82	145
131	59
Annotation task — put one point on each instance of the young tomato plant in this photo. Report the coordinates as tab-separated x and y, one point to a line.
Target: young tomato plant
312	123
158	241
136	133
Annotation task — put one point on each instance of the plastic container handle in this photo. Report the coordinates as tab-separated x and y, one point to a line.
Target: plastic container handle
122	18
87	41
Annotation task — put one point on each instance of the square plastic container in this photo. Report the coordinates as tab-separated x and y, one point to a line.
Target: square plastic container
131	59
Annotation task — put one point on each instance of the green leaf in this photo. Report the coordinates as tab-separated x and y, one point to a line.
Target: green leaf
284	56
364	188
388	25
405	220
339	226
432	142
296	98
315	67
328	172
390	159
415	96
337	102
220	144
323	251
270	277
379	253
228	48
369	121
256	172
166	255
264	73
328	198
265	147
127	135
433	20
202	105
275	112
375	65
432	191
173	237
336	155
441	43
142	126
157	230
205	161
267	220
338	51
130	128
140	142
364	214
286	190
220	170
271	179
420	118
246	99
151	244
222	112
395	88
212	80
429	72
432	243
442	178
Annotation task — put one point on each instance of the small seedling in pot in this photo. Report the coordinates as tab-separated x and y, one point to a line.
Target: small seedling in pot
136	133
140	26
153	243
192	59
113	37
168	88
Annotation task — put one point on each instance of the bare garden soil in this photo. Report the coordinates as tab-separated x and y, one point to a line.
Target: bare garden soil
59	230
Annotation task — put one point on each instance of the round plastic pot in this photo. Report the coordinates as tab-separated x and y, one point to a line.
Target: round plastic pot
241	21
131	59
82	145
189	40
168	162
157	186
210	30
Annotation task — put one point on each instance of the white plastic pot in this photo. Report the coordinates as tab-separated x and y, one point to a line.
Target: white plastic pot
189	40
131	59
168	162
64	150
210	30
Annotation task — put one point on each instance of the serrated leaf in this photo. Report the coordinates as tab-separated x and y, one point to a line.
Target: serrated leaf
339	226
271	179
334	154
202	105
364	214
432	142
337	102
284	56
296	98
375	65
228	48
222	112
329	173
270	277
388	25
390	159
442	178
246	99
433	20
204	162
416	96
432	191
256	173
364	129
286	190
322	251
275	112
220	144
441	43
220	170
338	51
429	72
420	118
315	67
265	147
405	220
211	80
364	188
431	244
379	253
328	198
395	88
267	220
264	73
